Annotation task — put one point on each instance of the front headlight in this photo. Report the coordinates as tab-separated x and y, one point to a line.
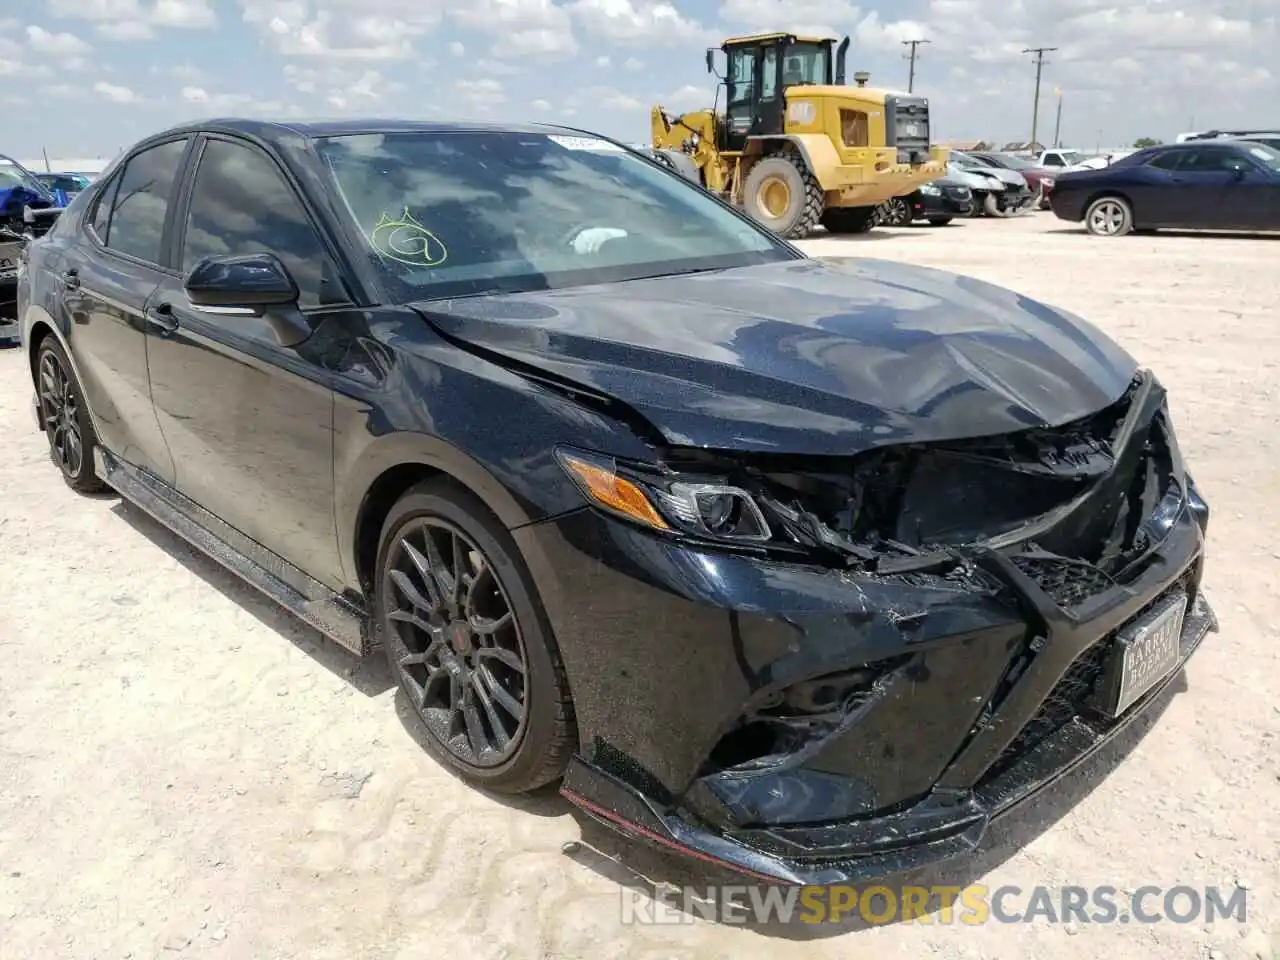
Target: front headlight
671	503
929	190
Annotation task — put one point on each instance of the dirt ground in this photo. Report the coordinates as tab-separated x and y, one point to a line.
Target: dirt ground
184	770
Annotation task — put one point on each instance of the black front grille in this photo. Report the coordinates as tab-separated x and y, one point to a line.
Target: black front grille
1067	582
1073	695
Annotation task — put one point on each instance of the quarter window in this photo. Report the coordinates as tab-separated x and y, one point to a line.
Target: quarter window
141	203
241	203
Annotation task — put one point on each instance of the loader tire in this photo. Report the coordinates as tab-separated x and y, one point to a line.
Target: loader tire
850	219
782	194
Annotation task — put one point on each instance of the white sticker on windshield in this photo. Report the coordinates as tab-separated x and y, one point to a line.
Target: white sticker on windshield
1260	153
586	143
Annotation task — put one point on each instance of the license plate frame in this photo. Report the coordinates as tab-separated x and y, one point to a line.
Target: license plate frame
1145	651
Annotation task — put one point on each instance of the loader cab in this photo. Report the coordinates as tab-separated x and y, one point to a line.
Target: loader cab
758	69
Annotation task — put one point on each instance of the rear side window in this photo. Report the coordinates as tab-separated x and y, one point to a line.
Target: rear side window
100	219
241	203
142	201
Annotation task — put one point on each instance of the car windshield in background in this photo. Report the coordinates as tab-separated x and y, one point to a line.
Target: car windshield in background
458	213
1268	156
13	174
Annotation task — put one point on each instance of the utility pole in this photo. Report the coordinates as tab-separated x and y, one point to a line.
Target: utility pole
1057	124
911	77
1035	106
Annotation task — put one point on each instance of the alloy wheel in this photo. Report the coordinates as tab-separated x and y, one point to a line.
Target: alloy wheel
897	213
1107	218
61	416
456	643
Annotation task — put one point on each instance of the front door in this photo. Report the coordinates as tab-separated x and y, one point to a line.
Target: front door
1208	192
120	266
249	421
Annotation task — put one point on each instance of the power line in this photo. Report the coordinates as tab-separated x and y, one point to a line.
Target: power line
1035	105
911	78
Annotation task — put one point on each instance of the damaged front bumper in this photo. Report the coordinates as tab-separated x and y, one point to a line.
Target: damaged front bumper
803	724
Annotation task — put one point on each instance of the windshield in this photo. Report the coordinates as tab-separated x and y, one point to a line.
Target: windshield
806	63
966	162
1072	157
457	213
1266	155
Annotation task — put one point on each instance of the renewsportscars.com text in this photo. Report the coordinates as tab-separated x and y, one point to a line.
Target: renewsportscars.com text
972	905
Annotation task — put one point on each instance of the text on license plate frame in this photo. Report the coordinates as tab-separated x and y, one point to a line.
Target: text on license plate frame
1146	651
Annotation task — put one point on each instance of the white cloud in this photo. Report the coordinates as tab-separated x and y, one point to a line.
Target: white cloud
541	105
633	65
59	45
115	93
821	17
539	29
128	18
457	49
482	95
125	31
195	95
636	21
353	30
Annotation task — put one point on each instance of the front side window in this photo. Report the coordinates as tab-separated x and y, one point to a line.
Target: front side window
451	213
141	202
806	63
1166	161
241	203
1209	160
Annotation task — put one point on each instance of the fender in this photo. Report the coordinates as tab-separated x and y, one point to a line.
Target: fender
819	153
359	466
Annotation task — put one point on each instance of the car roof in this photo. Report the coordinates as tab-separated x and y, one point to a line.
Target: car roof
275	131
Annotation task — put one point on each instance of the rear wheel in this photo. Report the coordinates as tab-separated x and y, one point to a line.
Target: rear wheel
849	219
782	193
1109	217
65	418
468	641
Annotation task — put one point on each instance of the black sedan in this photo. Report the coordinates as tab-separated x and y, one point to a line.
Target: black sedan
810	570
1198	185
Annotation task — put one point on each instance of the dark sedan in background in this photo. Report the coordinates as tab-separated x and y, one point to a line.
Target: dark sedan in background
1198	185
810	570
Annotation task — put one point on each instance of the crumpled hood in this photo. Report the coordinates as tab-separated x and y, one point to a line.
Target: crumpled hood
807	357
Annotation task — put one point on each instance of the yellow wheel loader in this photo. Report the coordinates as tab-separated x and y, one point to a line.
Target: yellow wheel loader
795	146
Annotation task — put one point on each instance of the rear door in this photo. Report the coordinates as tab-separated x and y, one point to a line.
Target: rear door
108	286
250	422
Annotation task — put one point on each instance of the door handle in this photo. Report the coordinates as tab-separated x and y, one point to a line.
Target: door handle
161	317
71	279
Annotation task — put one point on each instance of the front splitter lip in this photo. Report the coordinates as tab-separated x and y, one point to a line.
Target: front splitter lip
621	808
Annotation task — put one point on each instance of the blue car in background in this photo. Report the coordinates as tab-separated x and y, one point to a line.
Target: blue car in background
20	189
1198	185
64	186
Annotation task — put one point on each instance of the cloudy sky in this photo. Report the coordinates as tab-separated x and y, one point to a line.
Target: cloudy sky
86	77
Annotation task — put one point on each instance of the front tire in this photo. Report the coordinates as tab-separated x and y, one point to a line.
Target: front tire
469	643
65	417
897	212
782	193
1109	217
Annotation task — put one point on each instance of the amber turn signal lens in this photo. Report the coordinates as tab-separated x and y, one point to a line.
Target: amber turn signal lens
612	491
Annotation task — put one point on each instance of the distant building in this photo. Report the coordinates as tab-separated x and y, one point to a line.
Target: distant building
965	145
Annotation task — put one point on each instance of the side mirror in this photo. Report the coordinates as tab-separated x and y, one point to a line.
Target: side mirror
248	282
1237	170
245	286
711	60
